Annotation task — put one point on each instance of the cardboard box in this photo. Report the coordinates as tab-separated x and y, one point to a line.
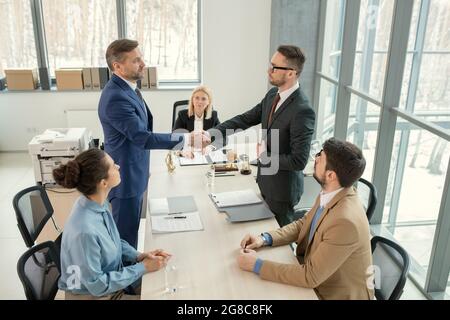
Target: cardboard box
21	79
95	78
87	79
153	78
145	80
69	79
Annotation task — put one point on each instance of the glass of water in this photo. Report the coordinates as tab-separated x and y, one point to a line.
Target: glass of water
171	278
210	175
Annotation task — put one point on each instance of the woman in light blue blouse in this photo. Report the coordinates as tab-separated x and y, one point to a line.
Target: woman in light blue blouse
95	262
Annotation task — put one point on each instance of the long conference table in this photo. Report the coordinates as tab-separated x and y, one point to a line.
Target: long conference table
206	260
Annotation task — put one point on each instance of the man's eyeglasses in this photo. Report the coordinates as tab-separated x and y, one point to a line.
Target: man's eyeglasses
319	153
273	68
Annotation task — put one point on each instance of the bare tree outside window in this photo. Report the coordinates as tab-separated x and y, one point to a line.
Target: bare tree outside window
78	32
17	49
167	31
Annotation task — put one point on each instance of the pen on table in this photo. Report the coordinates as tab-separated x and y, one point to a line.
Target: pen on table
176	217
224	175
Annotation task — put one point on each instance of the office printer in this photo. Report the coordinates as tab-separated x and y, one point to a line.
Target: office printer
54	147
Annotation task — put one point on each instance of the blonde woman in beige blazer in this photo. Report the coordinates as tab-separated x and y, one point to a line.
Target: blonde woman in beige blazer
333	238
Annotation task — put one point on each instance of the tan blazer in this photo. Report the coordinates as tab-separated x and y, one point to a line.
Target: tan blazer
336	262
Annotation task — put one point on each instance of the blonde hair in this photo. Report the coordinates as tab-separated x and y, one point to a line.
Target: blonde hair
208	109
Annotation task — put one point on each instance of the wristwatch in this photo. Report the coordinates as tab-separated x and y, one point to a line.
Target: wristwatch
265	240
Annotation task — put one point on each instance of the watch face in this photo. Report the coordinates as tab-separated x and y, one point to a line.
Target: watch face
263	239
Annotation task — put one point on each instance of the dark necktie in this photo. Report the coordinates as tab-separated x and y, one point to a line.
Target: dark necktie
139	94
274	105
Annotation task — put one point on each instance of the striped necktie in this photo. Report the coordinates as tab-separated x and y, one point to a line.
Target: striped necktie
274	105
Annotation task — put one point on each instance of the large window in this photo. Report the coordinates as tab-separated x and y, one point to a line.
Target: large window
362	130
413	204
329	68
375	20
401	125
333	38
167	33
426	91
17	49
327	107
78	32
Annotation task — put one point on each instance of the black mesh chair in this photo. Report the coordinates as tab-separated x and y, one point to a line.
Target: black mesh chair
39	271
177	107
33	210
391	263
368	195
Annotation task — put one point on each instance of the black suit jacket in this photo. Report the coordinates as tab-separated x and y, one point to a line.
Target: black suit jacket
295	121
185	122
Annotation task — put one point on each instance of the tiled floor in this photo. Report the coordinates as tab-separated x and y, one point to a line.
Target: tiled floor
16	174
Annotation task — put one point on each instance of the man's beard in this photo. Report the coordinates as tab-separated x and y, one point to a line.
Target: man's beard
319	181
277	83
138	75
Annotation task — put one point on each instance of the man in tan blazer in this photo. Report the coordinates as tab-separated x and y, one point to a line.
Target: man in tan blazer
333	239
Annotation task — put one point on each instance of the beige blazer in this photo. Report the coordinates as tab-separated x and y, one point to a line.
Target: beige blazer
336	262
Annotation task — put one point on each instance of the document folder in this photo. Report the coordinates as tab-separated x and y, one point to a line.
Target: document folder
172	205
235	198
251	212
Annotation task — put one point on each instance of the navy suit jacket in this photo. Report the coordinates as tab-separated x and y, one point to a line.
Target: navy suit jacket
129	137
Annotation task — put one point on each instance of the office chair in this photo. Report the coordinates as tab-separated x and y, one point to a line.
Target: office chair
177	107
33	210
368	195
391	262
39	271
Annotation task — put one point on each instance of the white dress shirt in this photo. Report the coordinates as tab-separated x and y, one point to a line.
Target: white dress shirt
325	198
198	123
285	94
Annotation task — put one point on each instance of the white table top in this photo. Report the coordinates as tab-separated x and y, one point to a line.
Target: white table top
206	260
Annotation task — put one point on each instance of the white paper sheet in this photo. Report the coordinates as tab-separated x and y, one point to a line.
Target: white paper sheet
198	159
170	223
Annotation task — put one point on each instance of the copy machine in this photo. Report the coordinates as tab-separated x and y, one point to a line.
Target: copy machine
55	147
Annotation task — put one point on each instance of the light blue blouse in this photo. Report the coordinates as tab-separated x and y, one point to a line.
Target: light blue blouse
92	252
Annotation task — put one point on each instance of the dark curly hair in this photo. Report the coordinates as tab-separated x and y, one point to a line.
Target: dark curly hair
84	172
345	159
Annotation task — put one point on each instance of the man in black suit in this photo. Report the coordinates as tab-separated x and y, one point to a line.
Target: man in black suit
287	120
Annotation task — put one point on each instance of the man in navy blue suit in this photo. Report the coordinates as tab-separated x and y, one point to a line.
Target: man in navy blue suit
128	131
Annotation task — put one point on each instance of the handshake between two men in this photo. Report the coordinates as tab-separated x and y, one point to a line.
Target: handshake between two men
198	141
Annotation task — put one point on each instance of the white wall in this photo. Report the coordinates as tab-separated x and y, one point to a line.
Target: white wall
236	41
